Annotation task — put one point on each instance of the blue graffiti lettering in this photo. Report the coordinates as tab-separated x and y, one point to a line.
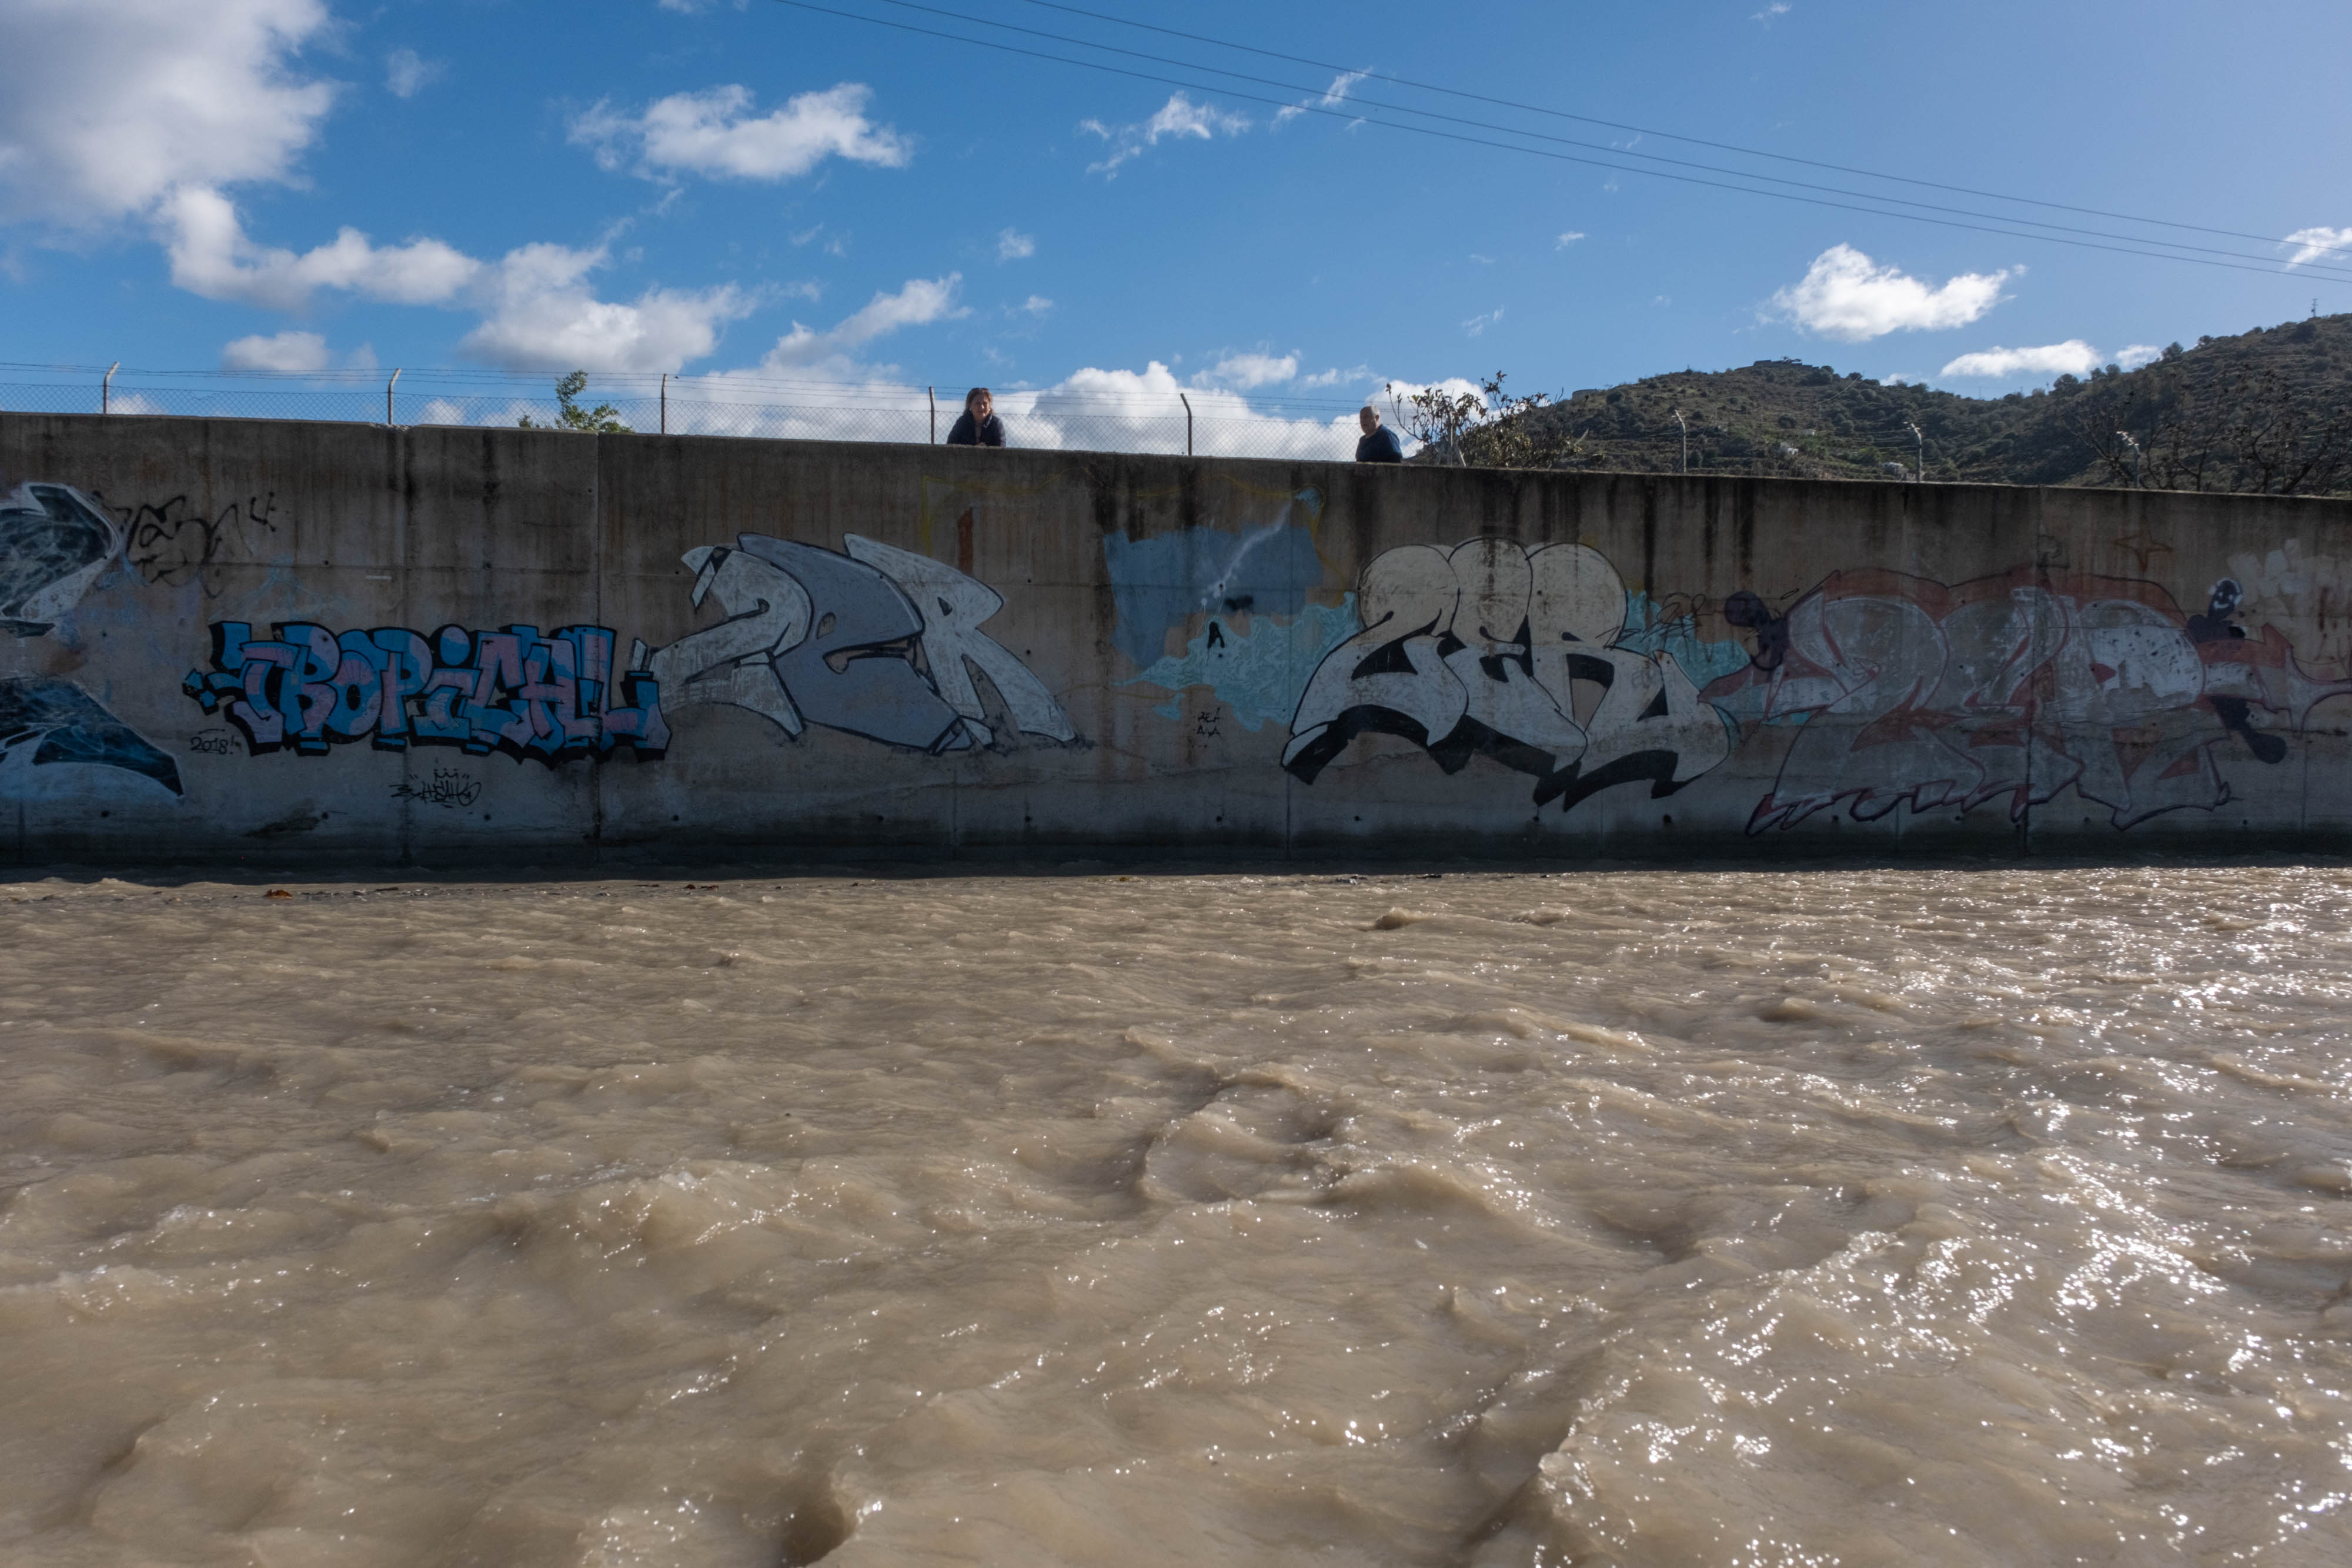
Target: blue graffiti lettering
512	691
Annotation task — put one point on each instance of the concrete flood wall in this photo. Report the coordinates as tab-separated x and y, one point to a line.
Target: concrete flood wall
259	641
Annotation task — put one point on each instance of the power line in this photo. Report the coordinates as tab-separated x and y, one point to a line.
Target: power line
1668	135
2268	263
2266	267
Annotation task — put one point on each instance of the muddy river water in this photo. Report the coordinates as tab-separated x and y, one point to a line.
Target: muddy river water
1842	1215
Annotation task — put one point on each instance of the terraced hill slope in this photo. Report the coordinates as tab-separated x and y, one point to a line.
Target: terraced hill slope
2267	411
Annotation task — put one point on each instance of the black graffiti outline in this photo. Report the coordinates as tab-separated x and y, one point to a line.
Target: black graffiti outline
1509	664
2161	746
448	787
155	528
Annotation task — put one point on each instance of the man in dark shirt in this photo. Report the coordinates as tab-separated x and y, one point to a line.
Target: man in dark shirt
1377	445
978	426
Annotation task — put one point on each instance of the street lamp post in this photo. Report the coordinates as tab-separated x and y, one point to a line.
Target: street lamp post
1920	473
1685	430
2125	437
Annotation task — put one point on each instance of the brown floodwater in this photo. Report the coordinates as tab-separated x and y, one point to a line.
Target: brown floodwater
1842	1216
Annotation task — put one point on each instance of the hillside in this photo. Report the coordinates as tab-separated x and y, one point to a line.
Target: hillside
2267	411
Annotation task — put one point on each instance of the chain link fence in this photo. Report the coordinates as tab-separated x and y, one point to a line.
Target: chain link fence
1111	415
1204	423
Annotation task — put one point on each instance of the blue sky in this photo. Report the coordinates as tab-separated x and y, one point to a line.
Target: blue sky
708	186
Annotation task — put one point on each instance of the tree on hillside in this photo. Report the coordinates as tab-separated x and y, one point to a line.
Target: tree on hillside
1499	430
1516	435
2245	432
602	419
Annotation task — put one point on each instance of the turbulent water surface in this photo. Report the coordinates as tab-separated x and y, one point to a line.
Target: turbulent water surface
1861	1216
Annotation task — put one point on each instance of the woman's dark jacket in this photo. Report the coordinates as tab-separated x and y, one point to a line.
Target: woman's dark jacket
964	432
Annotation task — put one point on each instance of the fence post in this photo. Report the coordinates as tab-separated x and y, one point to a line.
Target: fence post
933	394
665	403
388	419
106	389
1187	422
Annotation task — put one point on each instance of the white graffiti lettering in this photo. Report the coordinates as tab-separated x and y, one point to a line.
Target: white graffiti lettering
877	642
1493	650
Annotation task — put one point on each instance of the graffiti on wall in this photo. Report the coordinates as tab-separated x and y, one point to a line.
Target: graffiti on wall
1256	666
1493	650
1902	692
449	789
55	542
1241	596
170	542
56	721
307	689
2016	686
1163	581
874	641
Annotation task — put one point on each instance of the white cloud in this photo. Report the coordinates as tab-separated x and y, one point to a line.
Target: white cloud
1569	238
2138	354
1246	372
110	104
1331	97
1132	411
285	352
154	109
835	244
1035	304
1336	377
1179	116
1770	14
2316	243
211	257
715	133
2071	358
1477	325
922	300
1846	296
477	412
538	312
541	314
407	73
1013	245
